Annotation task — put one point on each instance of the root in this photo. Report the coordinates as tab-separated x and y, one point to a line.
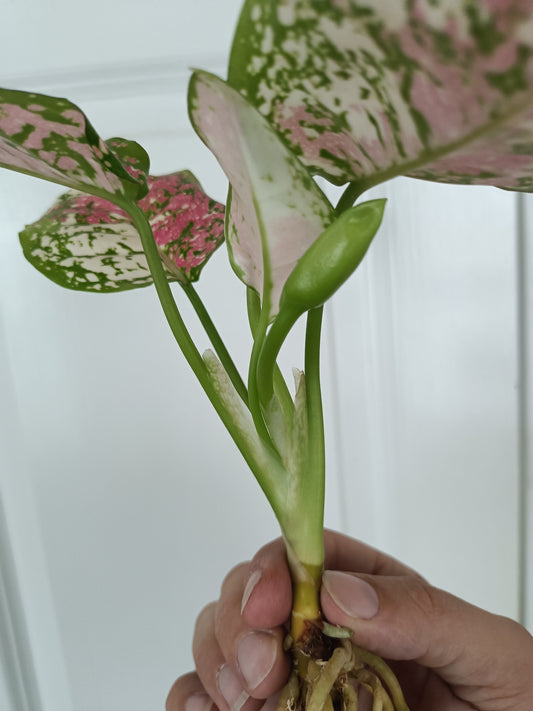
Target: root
328	676
332	684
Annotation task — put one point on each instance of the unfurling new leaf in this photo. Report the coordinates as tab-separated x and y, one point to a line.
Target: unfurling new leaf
275	209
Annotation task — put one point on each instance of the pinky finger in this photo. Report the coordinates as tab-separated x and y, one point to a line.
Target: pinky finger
188	694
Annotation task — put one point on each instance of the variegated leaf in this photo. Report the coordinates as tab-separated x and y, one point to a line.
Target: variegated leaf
364	90
275	209
52	139
87	243
188	225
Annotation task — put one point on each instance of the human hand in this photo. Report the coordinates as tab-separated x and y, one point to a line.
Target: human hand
448	655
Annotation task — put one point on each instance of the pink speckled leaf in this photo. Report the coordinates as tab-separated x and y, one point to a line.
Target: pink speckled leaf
363	90
52	139
275	209
187	224
88	243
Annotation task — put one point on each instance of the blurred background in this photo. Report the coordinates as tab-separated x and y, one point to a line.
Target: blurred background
123	501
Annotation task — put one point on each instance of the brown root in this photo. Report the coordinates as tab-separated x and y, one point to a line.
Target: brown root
332	683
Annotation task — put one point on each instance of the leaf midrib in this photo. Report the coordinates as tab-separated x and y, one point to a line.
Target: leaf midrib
428	157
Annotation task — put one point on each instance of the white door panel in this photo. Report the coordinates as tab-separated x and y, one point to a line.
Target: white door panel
430	415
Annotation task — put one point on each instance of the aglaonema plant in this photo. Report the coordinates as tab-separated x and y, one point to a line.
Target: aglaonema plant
356	92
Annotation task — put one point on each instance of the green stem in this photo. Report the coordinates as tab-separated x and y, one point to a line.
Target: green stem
279	385
304	533
266	366
348	197
216	340
264	464
253	393
315	481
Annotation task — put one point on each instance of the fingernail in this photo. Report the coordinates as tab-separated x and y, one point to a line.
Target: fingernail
354	596
256	655
198	702
231	689
250	585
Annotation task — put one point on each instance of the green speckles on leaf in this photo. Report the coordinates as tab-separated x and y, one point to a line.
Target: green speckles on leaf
52	139
275	209
362	91
87	243
483	28
514	79
99	259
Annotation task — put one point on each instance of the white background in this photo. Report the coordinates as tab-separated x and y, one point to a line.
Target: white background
123	502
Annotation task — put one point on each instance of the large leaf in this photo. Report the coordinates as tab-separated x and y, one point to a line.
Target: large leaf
52	139
275	210
87	243
364	90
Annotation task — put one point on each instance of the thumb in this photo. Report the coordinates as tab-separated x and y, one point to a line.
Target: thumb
403	617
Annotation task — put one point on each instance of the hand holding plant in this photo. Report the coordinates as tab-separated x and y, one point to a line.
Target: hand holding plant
448	655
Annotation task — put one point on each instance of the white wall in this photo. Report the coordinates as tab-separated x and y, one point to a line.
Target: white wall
121	515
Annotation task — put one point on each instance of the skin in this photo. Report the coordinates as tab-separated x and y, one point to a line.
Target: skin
448	655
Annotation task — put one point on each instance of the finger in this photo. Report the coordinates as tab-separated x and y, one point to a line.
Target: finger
217	676
405	618
255	654
188	694
344	553
268	593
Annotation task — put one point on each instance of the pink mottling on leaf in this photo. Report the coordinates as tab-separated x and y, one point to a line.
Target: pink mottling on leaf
66	163
300	124
439	74
102	177
14	119
49	157
503	58
187	224
86	209
54	140
433	102
495	7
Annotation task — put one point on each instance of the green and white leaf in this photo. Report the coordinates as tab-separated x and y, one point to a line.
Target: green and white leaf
275	210
87	243
363	90
52	139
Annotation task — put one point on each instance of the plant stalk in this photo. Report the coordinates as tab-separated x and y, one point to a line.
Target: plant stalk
216	340
263	462
305	535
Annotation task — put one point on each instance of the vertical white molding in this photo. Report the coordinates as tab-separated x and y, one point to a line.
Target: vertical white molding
33	674
17	679
525	322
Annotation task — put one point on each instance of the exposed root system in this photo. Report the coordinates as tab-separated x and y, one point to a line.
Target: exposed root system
333	684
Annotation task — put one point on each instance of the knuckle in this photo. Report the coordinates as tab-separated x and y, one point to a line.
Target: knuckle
234	577
206	614
203	626
427	600
180	690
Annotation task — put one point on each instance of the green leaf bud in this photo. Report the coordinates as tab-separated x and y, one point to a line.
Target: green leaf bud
332	258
